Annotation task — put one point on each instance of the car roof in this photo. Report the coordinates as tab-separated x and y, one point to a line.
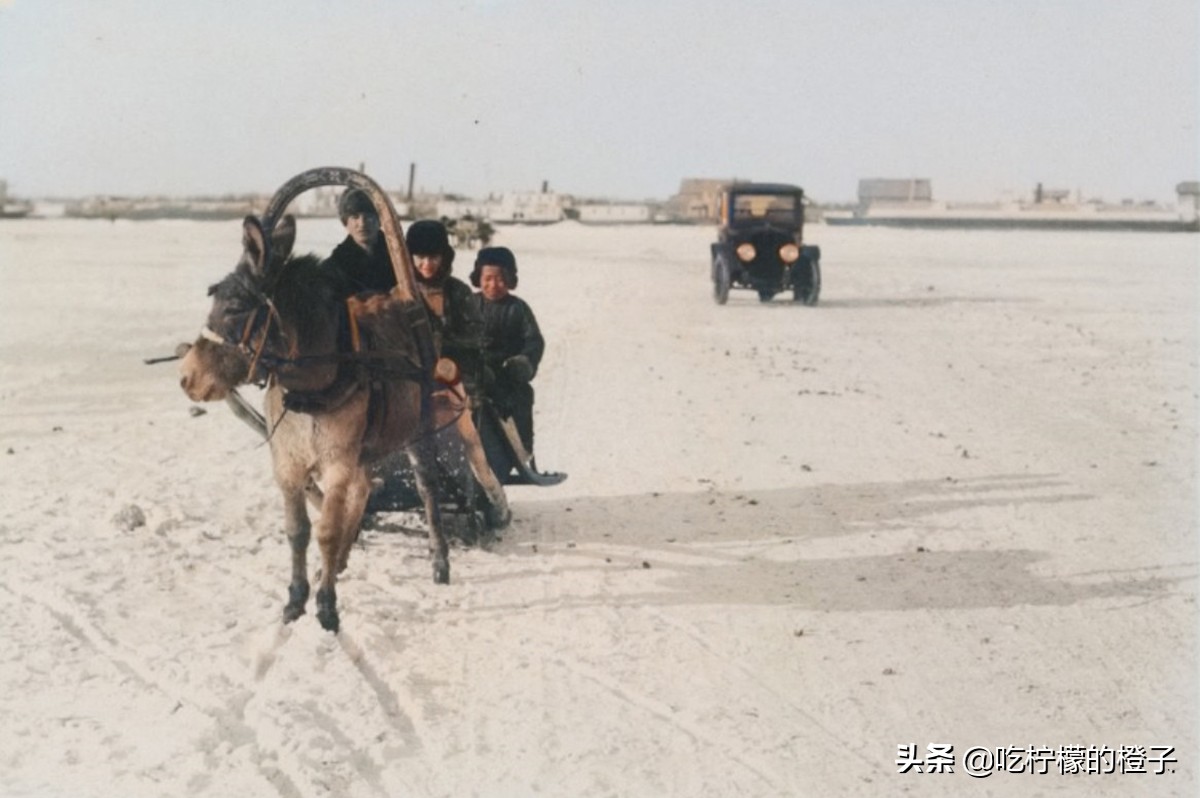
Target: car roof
763	188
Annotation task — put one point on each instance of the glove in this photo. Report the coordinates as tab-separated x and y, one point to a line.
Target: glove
518	368
446	371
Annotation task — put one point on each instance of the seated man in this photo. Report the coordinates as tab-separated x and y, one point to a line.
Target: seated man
512	343
361	261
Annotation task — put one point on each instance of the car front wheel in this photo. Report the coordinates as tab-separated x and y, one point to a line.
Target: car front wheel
806	284
722	277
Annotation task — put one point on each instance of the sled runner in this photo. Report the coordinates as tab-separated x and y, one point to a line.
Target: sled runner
511	464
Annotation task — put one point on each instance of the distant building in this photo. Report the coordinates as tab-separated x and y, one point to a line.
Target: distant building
698	200
458	208
527	207
614	213
513	207
879	189
322	201
1188	194
12	209
910	203
1057	196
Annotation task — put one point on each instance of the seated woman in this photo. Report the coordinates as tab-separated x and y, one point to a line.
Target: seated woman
456	322
512	342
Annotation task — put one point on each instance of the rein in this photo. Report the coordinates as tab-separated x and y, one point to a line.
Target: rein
272	315
454	390
258	354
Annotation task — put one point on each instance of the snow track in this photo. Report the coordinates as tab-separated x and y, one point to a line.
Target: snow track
954	503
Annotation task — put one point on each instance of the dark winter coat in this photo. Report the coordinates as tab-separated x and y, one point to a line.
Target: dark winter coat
359	271
458	332
509	329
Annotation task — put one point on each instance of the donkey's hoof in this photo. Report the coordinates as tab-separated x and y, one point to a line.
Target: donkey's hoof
498	518
328	616
327	612
441	573
297	598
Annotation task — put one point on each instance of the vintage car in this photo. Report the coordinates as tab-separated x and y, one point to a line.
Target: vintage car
760	244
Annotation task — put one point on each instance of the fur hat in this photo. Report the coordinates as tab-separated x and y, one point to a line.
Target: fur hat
355	200
428	237
496	256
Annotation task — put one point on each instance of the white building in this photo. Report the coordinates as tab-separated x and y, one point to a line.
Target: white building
323	201
605	213
527	207
457	209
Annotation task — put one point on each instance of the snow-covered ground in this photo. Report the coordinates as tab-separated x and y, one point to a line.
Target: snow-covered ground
953	504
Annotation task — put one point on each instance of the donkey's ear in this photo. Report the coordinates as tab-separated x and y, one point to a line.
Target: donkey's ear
283	237
252	242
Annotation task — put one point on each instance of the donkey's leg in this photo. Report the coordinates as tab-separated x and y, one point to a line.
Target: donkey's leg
498	514
299	529
314	493
341	511
423	456
357	493
291	462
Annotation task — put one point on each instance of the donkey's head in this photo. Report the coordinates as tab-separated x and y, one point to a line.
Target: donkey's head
227	352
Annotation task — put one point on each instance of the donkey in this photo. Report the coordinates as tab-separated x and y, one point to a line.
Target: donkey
330	413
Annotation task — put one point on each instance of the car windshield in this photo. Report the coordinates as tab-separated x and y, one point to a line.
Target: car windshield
779	208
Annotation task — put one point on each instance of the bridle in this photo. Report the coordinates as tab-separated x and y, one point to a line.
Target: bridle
252	351
255	352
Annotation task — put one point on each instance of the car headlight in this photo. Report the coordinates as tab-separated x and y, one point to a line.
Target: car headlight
746	252
789	253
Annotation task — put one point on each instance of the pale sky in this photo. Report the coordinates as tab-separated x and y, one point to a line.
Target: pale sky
617	98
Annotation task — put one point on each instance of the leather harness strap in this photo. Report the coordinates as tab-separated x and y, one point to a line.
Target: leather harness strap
355	335
248	330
